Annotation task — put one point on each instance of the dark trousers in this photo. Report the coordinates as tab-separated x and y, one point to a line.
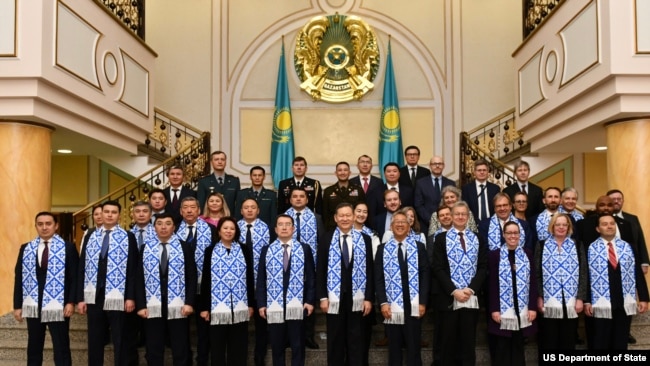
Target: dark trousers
410	334
261	339
98	319
557	334
437	334
59	331
202	337
178	331
509	351
292	331
229	344
611	334
344	336
459	340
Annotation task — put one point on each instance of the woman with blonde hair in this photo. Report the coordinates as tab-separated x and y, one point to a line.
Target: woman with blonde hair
215	208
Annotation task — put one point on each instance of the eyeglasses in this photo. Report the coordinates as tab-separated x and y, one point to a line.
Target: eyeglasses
400	222
511	233
437	164
520	202
561	225
460	214
284	224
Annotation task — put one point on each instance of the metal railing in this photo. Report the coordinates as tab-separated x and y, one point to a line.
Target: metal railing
499	135
535	12
500	174
129	12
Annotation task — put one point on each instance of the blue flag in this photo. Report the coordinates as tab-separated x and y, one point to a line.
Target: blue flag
282	139
390	126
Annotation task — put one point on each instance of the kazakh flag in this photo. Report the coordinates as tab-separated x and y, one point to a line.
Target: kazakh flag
282	139
390	128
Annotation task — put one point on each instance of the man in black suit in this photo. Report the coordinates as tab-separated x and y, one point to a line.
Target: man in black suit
455	287
503	214
479	193
339	192
287	325
175	262
611	311
311	186
406	327
392	204
638	239
522	184
411	172
41	260
108	300
158	202
266	199
218	181
375	199
335	289
428	192
366	180
176	191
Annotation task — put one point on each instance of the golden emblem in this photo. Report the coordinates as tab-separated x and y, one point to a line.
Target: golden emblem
336	58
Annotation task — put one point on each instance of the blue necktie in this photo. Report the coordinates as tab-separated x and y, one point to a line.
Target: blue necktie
105	241
345	253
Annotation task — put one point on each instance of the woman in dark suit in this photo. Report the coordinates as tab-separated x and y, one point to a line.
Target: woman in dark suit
229	294
513	298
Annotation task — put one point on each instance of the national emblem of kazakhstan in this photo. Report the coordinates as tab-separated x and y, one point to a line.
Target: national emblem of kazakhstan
336	58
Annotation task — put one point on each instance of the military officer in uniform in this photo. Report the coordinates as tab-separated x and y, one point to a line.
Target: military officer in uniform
342	191
311	186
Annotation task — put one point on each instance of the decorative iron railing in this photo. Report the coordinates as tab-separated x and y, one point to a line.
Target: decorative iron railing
499	136
535	11
500	174
170	135
129	12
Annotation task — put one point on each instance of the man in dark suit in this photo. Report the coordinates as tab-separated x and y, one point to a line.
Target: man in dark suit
503	214
339	192
375	198
343	300
428	192
176	191
218	181
411	172
158	202
637	231
311	186
522	184
108	300
456	288
406	327
163	260
266	199
366	180
540	222
41	260
286	322
383	221
610	308
479	193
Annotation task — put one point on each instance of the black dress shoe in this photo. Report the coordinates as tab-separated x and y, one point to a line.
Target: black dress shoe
631	339
311	343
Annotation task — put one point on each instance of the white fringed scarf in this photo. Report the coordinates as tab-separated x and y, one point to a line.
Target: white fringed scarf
175	278
275	301
506	297
229	297
358	263
393	276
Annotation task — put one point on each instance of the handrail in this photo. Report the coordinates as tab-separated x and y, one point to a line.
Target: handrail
482	126
170	117
500	173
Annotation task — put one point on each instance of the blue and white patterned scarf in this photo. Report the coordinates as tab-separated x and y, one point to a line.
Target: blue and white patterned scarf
506	297
598	270
53	292
308	229
275	301
368	231
462	264
577	216
260	236
118	255
149	233
541	225
229	300
560	275
495	232
203	237
358	263
175	278
393	278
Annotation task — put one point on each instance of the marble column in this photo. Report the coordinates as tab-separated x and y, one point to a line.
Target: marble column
25	169
628	166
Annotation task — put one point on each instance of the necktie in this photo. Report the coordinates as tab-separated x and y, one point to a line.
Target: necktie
298	226
393	188
105	241
298	183
45	255
400	254
523	188
365	184
220	181
462	241
482	197
175	198
140	238
190	234
163	260
285	257
436	184
345	252
249	235
612	255
256	194
413	176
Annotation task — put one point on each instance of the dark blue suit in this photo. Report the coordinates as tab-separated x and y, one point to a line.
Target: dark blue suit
375	200
470	195
427	198
176	209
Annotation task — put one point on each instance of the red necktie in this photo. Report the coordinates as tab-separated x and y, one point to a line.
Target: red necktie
365	184
462	241
612	255
45	255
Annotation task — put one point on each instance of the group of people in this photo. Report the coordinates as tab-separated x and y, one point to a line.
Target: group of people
359	250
